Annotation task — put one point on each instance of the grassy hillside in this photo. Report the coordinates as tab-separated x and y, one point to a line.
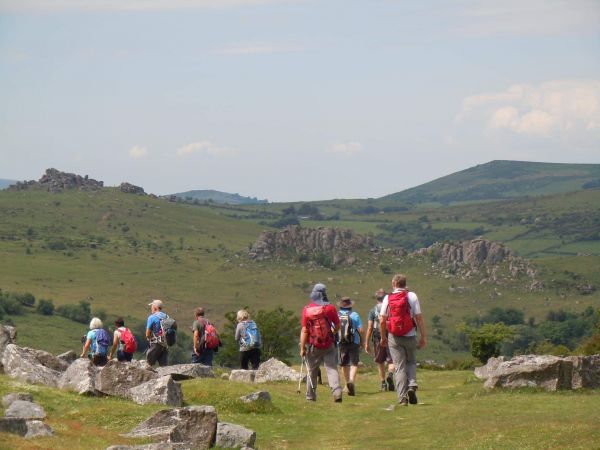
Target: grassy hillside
502	179
454	412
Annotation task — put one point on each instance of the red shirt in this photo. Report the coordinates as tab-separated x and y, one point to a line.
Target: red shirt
330	313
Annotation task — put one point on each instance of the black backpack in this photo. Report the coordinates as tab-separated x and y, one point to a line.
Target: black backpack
169	330
346	333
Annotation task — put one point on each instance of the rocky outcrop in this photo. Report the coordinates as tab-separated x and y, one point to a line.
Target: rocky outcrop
24	409
163	390
256	396
118	378
68	357
192	425
242	376
186	371
543	371
8	335
80	377
295	241
56	181
23	364
129	188
275	370
8	399
23	417
491	261
230	435
27	428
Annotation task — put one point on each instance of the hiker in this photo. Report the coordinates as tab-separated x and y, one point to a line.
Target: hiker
381	355
96	343
399	312
124	342
158	350
206	339
248	337
349	338
319	323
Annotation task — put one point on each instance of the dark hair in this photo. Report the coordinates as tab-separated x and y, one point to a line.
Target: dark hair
200	312
120	322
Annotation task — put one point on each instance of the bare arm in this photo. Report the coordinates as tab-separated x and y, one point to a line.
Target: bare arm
86	347
303	341
114	346
421	327
383	329
196	341
369	334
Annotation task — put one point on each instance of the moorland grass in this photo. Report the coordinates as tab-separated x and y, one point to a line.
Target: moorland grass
454	411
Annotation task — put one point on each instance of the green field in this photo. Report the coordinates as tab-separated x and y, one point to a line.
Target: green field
454	411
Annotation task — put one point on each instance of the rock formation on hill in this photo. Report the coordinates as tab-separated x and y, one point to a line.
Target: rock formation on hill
479	257
295	241
129	188
56	181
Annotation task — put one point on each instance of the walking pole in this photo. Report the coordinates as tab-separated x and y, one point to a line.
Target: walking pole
308	377
300	379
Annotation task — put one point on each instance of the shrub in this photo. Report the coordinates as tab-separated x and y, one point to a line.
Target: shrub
79	313
45	307
26	299
487	340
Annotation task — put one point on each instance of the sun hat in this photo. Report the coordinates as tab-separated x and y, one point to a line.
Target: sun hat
157	303
345	302
319	293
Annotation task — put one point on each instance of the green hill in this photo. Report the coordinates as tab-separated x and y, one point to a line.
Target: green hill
501	180
218	197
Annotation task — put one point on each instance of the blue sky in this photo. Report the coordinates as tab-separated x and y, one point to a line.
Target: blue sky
294	100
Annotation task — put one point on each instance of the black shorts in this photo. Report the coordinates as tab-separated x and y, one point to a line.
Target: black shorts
349	354
381	354
157	352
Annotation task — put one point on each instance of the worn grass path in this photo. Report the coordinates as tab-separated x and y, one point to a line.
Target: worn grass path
454	412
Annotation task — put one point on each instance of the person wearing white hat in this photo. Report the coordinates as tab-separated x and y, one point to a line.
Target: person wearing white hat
158	350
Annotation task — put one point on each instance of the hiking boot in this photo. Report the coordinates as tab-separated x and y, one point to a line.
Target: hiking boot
390	382
350	387
412	395
338	399
384	386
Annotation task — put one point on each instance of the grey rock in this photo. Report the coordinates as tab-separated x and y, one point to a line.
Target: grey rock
193	425
548	372
23	363
230	435
186	371
243	376
586	371
256	396
56	181
8	335
37	428
161	446
275	370
80	377
21	409
225	376
484	372
14	426
9	398
118	378
129	188
162	390
50	361
68	357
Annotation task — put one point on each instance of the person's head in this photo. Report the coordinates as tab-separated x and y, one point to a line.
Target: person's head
319	293
199	312
119	322
242	315
345	303
156	305
380	294
95	323
399	281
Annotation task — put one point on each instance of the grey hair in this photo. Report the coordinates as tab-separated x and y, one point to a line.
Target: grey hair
95	323
242	314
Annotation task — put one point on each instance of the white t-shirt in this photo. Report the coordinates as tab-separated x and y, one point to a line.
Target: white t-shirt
415	308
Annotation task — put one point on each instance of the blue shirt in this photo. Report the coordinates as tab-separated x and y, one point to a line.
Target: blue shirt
153	323
356	322
92	337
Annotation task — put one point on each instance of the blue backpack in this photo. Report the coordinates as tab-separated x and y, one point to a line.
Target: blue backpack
251	337
102	342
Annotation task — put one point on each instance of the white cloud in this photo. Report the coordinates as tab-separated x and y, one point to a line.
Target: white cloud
125	5
253	48
346	148
205	147
138	152
551	108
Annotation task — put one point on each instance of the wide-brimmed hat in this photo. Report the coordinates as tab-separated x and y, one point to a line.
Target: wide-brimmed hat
345	302
319	293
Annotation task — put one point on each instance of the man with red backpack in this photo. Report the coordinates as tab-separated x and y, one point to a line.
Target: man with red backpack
206	339
400	318
320	321
124	343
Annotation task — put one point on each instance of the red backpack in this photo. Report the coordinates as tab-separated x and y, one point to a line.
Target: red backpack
319	328
211	337
128	340
399	321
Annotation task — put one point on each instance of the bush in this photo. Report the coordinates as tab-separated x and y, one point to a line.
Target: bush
11	305
25	299
45	307
79	313
487	340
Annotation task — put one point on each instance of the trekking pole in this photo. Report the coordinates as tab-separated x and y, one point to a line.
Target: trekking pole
308	377
300	379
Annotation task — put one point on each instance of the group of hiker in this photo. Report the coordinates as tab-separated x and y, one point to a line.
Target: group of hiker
329	337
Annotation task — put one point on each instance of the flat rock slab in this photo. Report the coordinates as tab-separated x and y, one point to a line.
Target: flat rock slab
256	396
23	364
186	371
163	390
275	370
26	428
161	446
230	435
242	376
22	409
118	378
37	428
69	357
9	398
195	426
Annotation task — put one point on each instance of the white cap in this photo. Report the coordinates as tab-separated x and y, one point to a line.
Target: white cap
157	303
